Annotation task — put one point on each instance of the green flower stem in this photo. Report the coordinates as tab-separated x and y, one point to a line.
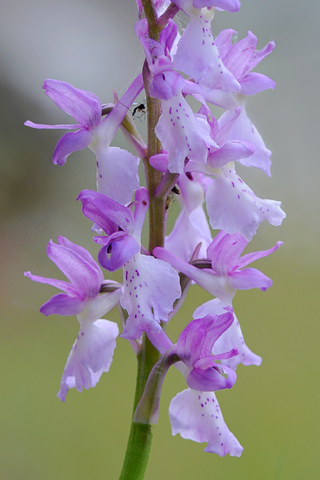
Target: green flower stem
139	442
138	450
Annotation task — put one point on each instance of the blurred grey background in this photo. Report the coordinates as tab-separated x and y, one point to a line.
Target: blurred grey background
273	410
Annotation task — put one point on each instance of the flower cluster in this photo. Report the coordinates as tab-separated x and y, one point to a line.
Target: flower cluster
195	160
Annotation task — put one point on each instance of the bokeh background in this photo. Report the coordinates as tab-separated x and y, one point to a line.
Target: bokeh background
273	410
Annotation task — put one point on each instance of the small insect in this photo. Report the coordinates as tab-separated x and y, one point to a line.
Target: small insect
171	197
139	111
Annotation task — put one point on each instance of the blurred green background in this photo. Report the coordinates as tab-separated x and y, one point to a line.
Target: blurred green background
274	409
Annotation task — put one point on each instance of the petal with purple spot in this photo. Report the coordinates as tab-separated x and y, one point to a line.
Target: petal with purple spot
232	205
181	133
198	56
90	356
197	416
150	287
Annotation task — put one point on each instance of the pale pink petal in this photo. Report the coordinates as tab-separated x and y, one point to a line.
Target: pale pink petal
230	152
90	356
243	129
198	56
150	288
232	205
117	173
253	83
189	230
181	133
197	416
191	226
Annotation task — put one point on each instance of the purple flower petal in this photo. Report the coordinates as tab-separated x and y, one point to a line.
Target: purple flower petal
168	36
231	338
69	143
160	161
166	85
259	55
82	252
106	212
61	284
85	108
197	339
211	379
52	127
97	307
249	278
254	82
197	416
224	251
211	360
251	257
190	229
118	249
224	41
62	304
83	276
141	201
239	55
